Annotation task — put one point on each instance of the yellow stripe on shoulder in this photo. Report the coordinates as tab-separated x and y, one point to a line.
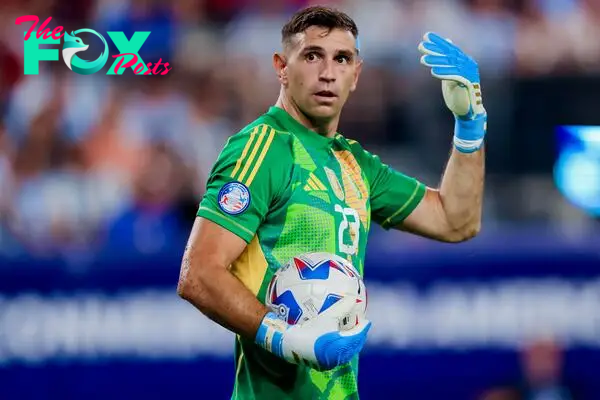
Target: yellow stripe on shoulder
262	155
239	161
255	147
254	153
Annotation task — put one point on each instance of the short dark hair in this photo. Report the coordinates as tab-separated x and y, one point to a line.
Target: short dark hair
322	16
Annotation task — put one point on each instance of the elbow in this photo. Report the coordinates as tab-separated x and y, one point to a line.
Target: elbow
190	286
184	288
194	291
471	232
183	285
463	234
459	225
196	283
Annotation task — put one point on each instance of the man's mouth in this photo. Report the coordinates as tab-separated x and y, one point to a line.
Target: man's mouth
325	93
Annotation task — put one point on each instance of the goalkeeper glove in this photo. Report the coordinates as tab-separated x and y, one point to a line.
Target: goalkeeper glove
461	89
318	342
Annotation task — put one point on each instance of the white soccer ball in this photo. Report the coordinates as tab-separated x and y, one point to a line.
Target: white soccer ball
309	284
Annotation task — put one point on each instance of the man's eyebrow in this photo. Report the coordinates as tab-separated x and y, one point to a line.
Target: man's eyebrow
312	48
344	52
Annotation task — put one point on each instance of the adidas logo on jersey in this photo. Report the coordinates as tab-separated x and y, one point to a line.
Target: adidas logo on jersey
313	183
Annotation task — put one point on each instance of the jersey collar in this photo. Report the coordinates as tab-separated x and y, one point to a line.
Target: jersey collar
295	127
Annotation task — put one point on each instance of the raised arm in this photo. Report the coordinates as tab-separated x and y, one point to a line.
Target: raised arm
451	213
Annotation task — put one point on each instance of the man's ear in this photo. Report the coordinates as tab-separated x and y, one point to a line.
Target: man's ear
359	63
280	65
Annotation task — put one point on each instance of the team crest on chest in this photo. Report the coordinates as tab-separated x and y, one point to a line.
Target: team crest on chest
335	183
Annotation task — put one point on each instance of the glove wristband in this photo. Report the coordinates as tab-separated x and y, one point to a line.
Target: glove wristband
270	334
467	146
469	133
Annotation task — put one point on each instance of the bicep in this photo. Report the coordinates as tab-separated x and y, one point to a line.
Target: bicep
428	219
206	282
402	202
209	246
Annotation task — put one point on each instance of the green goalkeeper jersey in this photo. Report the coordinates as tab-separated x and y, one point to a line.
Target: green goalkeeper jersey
287	190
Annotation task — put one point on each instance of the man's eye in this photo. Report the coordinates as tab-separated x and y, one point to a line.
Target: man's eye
343	59
311	56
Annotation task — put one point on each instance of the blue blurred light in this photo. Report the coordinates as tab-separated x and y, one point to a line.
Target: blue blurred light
577	169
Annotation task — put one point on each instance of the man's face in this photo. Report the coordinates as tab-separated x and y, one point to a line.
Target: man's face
321	71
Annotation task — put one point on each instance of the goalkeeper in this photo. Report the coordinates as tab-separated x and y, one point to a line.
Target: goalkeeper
289	183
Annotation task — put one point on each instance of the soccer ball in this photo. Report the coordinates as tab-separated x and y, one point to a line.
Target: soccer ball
309	284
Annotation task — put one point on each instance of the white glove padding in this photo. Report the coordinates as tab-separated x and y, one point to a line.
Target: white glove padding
459	73
319	342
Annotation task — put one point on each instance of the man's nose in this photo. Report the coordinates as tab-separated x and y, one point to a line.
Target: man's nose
327	72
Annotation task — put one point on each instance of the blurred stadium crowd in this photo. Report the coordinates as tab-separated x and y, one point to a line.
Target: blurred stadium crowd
90	161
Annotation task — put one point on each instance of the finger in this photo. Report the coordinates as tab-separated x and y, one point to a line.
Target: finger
439	41
456	78
430	48
432	61
445	72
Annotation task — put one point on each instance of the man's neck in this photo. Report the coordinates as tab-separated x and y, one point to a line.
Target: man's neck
326	128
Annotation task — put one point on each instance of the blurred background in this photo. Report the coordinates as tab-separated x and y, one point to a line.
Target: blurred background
101	176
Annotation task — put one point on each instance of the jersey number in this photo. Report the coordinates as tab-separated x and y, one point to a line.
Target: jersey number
352	225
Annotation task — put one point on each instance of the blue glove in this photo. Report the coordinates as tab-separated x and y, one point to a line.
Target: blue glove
461	89
318	343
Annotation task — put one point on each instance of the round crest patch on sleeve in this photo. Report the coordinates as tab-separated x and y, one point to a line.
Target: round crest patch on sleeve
234	198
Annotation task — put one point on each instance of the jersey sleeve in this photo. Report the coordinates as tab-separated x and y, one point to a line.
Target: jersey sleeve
393	195
247	179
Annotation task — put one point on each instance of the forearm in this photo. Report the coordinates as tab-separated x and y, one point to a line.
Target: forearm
461	192
221	297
